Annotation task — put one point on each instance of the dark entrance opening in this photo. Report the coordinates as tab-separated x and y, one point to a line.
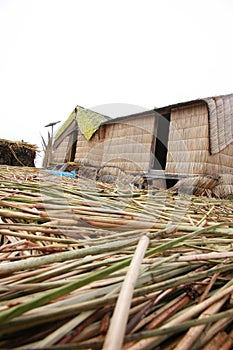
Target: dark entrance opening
73	151
160	150
161	142
71	148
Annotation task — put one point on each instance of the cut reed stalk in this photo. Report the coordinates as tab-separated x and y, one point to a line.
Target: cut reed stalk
65	248
115	335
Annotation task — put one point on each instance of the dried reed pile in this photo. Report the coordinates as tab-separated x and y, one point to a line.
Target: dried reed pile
91	266
17	153
220	186
197	185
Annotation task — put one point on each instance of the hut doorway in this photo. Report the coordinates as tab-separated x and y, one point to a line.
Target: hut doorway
71	149
161	141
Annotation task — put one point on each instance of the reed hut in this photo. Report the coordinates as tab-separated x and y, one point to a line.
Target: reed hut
193	138
200	141
201	136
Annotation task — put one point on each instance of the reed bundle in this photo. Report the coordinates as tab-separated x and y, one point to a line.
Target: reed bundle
78	259
17	153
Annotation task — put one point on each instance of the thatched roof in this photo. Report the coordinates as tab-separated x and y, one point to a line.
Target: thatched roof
65	124
87	120
220	110
220	114
85	265
67	127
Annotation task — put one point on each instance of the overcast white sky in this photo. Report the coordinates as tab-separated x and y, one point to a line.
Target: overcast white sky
56	54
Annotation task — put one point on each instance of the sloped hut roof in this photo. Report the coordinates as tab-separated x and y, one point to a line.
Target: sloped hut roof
220	109
85	119
66	128
89	122
220	113
80	121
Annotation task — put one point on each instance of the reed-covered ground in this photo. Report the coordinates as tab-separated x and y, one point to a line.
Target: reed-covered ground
84	265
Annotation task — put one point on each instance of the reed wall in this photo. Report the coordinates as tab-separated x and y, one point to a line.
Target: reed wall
188	145
90	152
124	144
59	154
128	143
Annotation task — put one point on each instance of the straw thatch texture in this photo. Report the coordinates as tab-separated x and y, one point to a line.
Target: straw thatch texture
188	146
221	163
224	189
128	143
197	185
65	138
60	152
90	152
220	121
89	121
199	140
123	144
17	153
79	127
72	259
66	125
